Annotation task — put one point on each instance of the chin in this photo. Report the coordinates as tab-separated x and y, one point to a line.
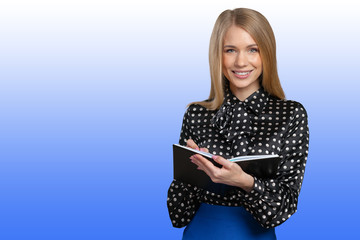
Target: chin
239	83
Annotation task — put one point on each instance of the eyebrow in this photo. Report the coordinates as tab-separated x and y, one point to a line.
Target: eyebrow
232	46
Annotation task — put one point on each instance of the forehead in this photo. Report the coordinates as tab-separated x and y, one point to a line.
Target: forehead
237	36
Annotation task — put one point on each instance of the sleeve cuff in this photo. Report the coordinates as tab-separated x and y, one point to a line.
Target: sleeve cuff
255	193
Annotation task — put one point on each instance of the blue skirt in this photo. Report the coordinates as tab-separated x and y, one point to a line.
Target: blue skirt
222	222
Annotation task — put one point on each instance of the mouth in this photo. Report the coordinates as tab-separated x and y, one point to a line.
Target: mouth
242	74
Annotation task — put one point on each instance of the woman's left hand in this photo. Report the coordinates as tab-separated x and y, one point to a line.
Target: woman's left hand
230	173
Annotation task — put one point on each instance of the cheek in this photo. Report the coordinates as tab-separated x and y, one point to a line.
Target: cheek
226	62
225	72
258	62
225	66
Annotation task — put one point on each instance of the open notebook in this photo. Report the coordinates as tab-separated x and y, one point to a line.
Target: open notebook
262	166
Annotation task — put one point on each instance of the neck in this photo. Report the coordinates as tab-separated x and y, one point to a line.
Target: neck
244	93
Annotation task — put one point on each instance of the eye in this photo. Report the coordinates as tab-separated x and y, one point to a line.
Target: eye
253	50
229	50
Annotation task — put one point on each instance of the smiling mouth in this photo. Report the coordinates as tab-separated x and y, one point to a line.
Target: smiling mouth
242	74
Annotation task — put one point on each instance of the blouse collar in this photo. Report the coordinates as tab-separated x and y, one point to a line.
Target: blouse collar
255	102
234	111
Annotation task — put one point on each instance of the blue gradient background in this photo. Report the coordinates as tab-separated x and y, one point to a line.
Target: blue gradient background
92	95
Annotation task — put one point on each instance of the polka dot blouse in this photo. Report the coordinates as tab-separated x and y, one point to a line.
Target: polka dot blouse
261	124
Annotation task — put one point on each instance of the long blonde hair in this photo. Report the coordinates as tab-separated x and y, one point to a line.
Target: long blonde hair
259	28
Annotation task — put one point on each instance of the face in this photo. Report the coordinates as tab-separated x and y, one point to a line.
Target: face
242	64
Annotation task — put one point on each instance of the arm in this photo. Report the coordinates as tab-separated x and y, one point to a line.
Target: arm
270	201
182	202
273	201
183	199
277	198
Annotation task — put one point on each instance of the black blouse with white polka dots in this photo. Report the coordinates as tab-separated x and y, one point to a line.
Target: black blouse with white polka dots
262	124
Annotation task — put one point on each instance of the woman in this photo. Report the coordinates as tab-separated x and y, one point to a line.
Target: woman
246	114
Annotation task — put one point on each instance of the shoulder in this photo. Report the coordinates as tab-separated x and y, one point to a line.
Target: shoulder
298	111
196	111
197	115
290	108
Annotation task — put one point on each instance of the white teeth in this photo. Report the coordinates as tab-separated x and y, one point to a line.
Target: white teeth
242	73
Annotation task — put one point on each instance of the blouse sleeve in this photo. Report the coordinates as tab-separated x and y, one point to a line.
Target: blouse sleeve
273	201
183	199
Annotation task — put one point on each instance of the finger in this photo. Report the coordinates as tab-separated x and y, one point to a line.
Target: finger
222	161
196	162
205	164
201	166
204	150
191	144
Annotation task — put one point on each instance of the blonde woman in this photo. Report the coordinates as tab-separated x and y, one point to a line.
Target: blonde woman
246	114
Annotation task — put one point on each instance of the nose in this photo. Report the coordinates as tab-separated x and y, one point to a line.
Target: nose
241	60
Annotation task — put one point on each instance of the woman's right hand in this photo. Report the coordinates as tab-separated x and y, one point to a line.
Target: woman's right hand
191	144
230	173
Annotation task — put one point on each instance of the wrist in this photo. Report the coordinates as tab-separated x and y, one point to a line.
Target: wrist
246	182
